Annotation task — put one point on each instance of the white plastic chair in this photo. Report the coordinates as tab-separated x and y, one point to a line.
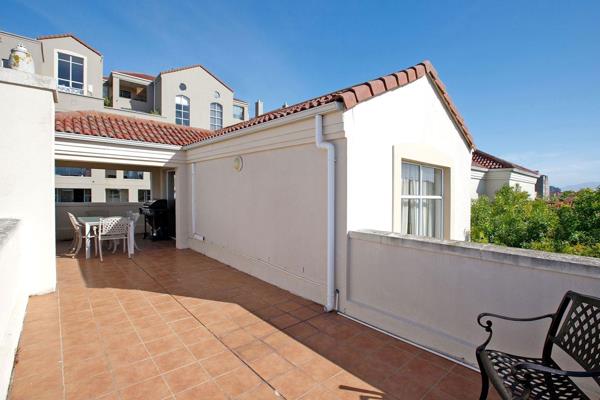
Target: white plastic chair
79	235
113	228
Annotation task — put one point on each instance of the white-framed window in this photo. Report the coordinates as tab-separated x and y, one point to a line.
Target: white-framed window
72	195
422	200
133	174
182	110
216	116
117	195
72	171
70	72
238	112
144	195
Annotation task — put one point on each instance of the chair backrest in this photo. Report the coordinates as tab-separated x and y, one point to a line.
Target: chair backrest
74	222
576	330
114	226
133	216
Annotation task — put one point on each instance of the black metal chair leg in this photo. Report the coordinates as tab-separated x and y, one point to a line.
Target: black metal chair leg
485	381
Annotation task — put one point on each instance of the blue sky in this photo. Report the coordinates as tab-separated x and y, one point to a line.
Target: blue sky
524	74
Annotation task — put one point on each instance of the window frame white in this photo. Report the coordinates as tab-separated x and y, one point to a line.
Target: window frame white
214	127
87	195
422	197
181	120
144	192
122	199
67	89
243	112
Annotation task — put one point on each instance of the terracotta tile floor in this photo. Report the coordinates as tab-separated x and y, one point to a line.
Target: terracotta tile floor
174	324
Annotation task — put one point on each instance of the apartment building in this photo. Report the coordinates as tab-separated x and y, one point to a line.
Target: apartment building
90	185
189	96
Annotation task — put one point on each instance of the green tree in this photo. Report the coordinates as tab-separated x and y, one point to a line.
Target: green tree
569	224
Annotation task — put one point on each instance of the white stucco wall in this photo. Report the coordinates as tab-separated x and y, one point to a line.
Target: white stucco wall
269	219
488	182
409	123
27	181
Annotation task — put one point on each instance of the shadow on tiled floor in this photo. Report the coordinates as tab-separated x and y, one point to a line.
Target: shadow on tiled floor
174	324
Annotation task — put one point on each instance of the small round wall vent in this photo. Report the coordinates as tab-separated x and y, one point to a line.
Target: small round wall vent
182	87
217	94
238	163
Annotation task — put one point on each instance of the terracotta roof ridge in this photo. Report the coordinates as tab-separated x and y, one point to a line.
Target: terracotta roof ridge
72	35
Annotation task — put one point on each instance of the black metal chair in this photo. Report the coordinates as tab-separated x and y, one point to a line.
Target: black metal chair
576	332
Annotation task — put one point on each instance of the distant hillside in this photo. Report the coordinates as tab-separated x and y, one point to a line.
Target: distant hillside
578	186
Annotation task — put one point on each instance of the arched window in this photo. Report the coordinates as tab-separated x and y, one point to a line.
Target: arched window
216	116
182	110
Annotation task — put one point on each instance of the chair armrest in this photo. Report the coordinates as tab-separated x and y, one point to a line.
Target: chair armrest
488	323
554	371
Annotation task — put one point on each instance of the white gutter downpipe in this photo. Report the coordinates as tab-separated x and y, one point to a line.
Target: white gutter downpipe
322	144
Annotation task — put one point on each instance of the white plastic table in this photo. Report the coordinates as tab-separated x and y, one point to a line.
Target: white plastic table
89	222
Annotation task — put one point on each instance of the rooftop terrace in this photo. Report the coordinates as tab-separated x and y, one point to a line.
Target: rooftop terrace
174	324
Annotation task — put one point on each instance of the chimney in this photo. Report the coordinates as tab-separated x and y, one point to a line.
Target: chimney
258	108
284	105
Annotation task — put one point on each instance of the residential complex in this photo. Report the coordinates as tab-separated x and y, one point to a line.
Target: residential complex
489	173
85	185
320	250
187	96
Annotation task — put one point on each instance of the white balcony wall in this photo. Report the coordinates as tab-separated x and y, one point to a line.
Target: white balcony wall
27	179
430	292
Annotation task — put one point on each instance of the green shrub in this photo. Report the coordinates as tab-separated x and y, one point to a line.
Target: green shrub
569	224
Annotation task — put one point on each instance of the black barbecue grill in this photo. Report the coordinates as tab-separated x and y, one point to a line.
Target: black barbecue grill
156	216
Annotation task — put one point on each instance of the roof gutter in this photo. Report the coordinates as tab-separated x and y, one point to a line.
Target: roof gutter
324	109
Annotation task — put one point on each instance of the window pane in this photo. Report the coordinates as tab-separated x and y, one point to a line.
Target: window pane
77	73
238	112
432	181
62	56
110	173
63	70
178	113
77	60
410	216
77	85
410	179
432	218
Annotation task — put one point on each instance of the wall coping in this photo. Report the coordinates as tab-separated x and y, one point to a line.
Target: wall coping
35	81
7	229
556	262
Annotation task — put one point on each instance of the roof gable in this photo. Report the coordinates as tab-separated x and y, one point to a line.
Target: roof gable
169	71
67	35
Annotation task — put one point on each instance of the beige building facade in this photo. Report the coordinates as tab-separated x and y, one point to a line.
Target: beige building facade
92	185
188	96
